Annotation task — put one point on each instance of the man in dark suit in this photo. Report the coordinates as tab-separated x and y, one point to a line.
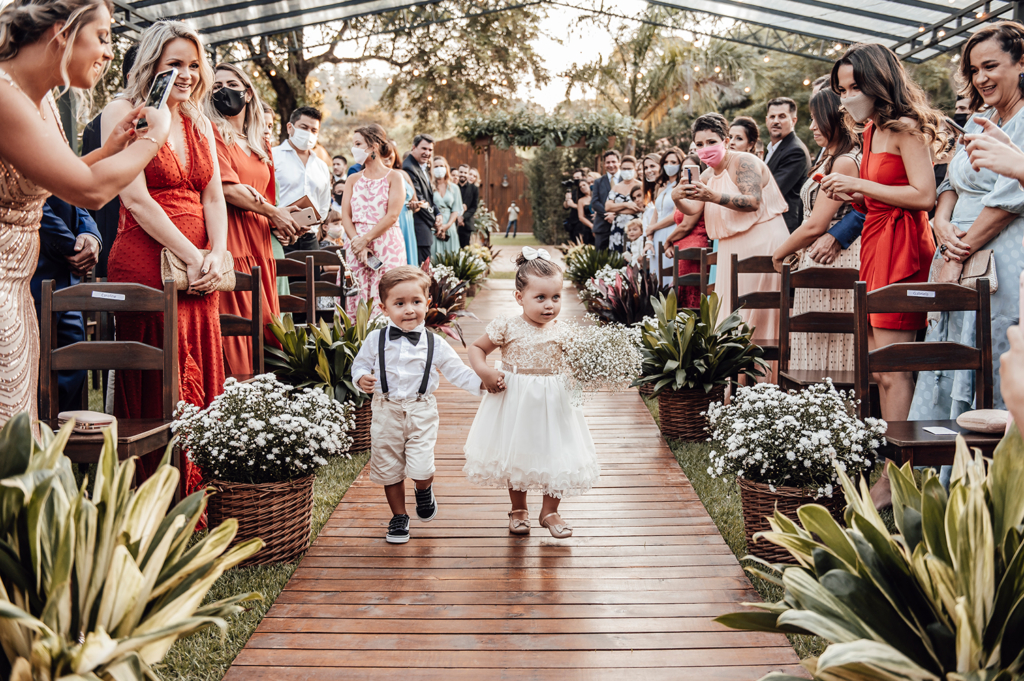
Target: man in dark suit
470	202
599	195
70	247
425	218
787	157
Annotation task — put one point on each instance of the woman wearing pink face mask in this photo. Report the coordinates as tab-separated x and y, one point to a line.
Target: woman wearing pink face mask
743	209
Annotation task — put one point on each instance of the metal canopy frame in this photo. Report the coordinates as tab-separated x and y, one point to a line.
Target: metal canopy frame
917	30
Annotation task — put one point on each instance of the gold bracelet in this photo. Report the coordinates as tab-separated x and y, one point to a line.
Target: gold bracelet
149	139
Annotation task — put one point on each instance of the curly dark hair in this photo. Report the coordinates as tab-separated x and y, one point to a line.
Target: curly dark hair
1009	35
713	122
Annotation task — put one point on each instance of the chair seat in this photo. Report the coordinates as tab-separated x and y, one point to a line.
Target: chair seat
770	347
913	443
135	437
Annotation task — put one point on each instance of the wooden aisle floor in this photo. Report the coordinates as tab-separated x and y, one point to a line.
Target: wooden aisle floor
630	595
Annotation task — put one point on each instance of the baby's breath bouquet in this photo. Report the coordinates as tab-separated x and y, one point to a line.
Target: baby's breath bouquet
794	439
596	357
264	431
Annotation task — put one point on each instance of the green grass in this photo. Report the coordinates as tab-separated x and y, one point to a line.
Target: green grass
206	655
502	275
721	498
498	240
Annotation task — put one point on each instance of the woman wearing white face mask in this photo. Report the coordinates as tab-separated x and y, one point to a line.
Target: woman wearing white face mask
620	205
370	208
663	220
448	200
743	209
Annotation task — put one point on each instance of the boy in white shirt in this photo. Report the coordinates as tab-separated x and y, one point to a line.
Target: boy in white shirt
400	366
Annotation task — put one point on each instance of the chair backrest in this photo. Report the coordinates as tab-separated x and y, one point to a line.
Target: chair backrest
119	355
298	304
815	321
755	300
933	356
660	267
707	259
687	255
323	258
234	325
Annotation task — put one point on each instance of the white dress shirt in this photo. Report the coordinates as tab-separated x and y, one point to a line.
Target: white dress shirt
295	180
404	364
770	149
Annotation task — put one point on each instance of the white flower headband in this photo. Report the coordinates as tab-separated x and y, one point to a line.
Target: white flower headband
531	253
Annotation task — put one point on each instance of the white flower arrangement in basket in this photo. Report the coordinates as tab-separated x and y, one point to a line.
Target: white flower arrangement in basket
598	357
264	431
794	439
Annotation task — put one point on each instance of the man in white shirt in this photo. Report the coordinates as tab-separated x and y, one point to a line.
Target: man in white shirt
302	177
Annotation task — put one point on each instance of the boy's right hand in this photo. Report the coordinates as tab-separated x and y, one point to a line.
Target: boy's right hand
366	383
493	381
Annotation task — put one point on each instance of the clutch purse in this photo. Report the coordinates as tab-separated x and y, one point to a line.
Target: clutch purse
173	267
85	421
980	265
992	421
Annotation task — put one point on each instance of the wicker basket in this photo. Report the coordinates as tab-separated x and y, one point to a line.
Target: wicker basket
279	513
759	502
646	389
361	433
679	412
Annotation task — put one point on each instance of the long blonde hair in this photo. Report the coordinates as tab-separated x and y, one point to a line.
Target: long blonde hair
23	22
254	126
151	48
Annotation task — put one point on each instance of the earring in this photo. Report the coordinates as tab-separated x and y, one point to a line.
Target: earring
1020	81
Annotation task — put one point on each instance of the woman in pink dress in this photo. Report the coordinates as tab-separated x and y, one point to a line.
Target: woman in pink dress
370	209
743	209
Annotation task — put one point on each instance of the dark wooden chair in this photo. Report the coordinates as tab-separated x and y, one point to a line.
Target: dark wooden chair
135	437
812	322
708	259
908	441
295	304
234	325
326	282
699	278
756	300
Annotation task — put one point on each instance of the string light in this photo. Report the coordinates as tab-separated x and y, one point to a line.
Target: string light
390	81
686	98
273	73
430	98
806	81
746	89
980	15
504	82
696	68
920	29
415	72
718	69
494	101
444	81
942	34
766	58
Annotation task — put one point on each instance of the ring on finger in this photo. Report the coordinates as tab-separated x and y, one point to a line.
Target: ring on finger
943	248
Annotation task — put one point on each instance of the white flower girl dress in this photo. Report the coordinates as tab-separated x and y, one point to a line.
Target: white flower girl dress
530	437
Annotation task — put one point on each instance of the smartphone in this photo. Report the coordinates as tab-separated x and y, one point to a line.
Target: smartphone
373	262
305	217
158	93
818	177
692	172
953	124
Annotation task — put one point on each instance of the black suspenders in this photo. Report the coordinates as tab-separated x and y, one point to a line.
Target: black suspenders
382	339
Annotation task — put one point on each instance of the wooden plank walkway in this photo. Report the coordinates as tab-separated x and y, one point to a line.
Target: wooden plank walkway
633	591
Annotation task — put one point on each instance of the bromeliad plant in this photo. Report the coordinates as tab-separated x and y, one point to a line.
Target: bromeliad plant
941	600
583	261
447	302
627	298
464	265
685	349
321	356
100	580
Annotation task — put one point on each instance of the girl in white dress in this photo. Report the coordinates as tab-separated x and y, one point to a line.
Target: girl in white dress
527	435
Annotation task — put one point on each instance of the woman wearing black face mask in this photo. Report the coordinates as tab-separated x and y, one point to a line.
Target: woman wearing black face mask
247	173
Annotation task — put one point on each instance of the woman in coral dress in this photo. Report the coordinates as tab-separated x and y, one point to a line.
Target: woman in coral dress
690	232
178	204
373	200
247	175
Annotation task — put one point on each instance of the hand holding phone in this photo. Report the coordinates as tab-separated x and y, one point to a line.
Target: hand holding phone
373	262
158	93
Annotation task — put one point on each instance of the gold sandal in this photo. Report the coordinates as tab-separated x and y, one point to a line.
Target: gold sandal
519	525
559	530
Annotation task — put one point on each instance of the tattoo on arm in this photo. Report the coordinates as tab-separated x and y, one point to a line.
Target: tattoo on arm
748	180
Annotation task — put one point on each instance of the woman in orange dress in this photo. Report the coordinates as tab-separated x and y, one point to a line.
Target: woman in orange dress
743	209
247	175
176	203
896	187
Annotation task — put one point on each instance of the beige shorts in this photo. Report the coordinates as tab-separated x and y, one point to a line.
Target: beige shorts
402	438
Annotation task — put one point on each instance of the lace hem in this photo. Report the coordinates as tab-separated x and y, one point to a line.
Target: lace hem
558	485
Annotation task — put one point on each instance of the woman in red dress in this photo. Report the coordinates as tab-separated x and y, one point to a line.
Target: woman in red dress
247	175
690	232
177	203
896	187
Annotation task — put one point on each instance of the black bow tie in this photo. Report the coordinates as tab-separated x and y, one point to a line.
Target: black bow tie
395	333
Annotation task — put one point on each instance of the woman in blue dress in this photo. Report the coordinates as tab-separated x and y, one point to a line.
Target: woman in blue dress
448	200
405	218
979	210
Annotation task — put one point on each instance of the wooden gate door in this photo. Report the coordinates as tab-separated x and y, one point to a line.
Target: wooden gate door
497	167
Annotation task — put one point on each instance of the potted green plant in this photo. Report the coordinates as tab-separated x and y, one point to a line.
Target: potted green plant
100	579
583	262
689	359
321	356
261	443
940	600
783	449
465	266
623	296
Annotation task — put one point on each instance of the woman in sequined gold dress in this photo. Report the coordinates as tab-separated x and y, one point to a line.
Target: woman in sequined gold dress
35	160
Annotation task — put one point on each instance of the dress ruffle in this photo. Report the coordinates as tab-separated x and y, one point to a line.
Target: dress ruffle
489	472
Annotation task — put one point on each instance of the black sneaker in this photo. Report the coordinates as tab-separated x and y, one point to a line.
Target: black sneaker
426	504
398	530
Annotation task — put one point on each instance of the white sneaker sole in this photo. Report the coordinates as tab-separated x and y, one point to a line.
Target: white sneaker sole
397	540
